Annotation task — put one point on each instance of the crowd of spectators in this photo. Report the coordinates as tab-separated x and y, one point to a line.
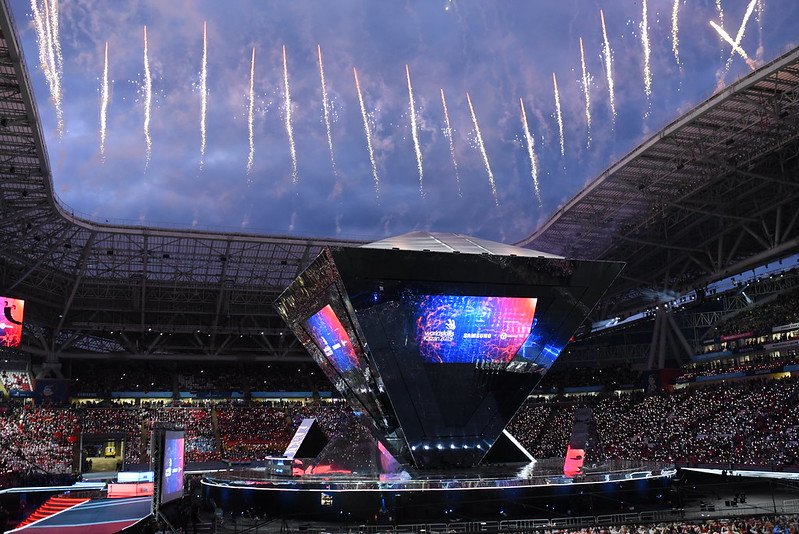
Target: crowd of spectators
16	380
750	422
751	525
754	422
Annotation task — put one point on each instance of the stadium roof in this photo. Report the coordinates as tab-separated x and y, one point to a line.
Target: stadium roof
713	193
714	190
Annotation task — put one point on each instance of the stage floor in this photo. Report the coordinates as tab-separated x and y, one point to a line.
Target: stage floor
545	472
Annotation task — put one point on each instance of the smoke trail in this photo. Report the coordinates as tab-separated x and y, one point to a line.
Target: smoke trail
645	43
289	129
368	134
607	52
104	103
203	95
531	153
559	115
415	132
736	46
326	108
483	151
448	133
586	89
675	37
148	102
250	111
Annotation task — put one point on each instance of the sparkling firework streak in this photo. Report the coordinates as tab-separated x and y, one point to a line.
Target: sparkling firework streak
559	115
368	134
148	102
46	33
736	46
104	103
326	107
645	43
608	66
203	95
586	89
415	132
483	151
56	41
531	153
720	11
675	37
289	129
448	133
250	111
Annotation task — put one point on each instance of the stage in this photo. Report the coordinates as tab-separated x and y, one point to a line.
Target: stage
496	492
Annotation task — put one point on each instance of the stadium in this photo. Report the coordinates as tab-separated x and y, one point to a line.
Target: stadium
665	301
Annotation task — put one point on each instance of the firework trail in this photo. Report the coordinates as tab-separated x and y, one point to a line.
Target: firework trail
483	151
736	45
559	115
759	19
606	51
250	111
675	38
720	11
645	43
203	95
56	41
50	54
289	128
448	133
586	89
104	104
531	153
368	134
415	132
148	102
326	107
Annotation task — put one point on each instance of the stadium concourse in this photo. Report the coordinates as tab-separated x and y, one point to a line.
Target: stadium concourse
689	358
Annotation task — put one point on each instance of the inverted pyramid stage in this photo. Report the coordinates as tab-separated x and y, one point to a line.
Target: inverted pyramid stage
437	339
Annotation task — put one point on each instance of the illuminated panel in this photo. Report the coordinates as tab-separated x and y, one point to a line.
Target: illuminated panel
172	485
329	334
11	322
468	329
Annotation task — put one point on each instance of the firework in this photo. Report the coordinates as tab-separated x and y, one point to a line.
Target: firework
415	132
203	96
647	51
289	128
250	111
559	115
104	103
586	88
148	101
483	151
608	56
326	107
675	36
531	153
448	133
368	134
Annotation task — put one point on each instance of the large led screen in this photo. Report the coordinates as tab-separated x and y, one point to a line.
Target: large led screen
11	322
469	329
329	334
172	481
